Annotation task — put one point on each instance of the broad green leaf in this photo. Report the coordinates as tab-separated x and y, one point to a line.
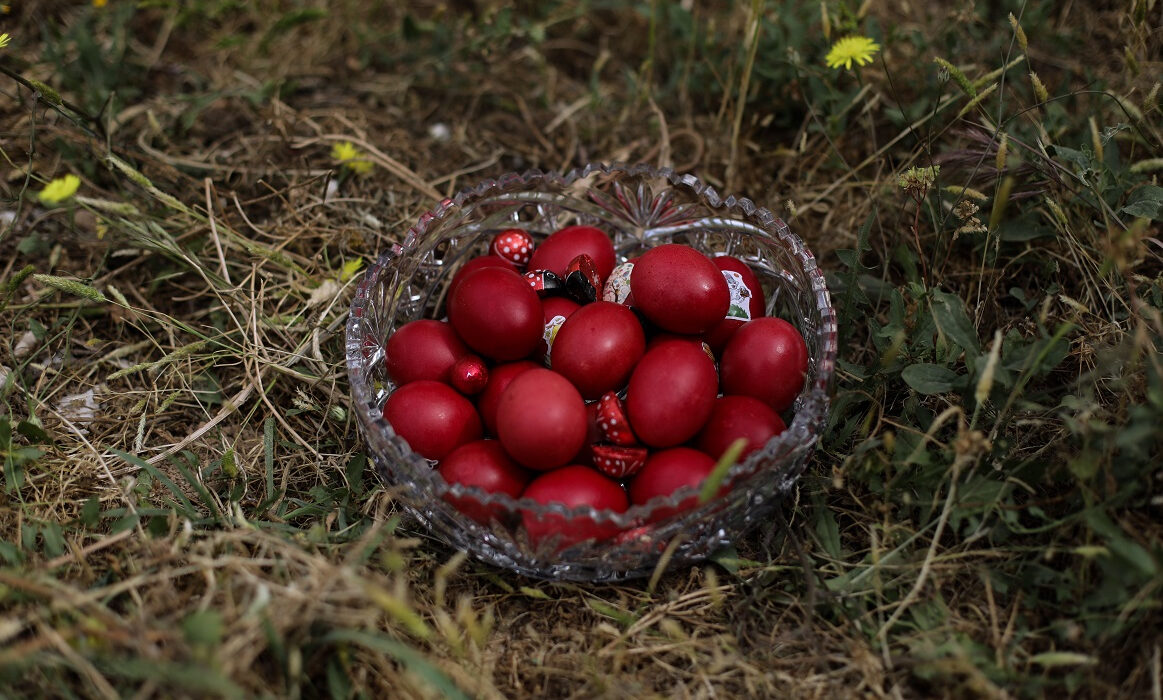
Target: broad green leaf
1147	201
925	378
949	313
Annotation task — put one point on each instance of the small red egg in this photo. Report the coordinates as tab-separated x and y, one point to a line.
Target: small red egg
559	249
554	310
735	417
665	472
485	465
598	346
475	264
541	419
671	392
432	417
497	314
469	376
679	289
767	359
499	378
422	349
573	486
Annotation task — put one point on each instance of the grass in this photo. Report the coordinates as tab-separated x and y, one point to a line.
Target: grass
186	509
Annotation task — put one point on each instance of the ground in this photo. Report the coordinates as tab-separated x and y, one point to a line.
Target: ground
187	510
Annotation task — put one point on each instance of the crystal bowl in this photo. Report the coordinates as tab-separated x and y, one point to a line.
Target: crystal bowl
640	207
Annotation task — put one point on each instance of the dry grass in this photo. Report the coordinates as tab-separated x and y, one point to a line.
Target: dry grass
205	528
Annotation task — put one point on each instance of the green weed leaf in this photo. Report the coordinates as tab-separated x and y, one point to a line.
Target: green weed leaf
951	317
1147	202
925	378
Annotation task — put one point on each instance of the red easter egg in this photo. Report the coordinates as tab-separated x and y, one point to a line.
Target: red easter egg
497	314
695	340
573	486
767	359
422	349
432	417
598	346
485	465
541	419
671	392
718	337
560	248
554	310
475	264
469	376
499	378
734	417
679	289
665	472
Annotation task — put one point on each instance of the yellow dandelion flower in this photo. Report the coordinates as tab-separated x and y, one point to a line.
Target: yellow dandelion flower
351	157
100	3
59	189
849	49
4	39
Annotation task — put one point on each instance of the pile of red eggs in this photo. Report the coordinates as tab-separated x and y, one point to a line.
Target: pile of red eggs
563	377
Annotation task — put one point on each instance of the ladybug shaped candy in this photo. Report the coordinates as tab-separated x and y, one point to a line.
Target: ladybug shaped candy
513	245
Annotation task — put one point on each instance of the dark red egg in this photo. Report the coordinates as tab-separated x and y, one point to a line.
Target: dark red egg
559	249
475	264
679	289
696	340
767	359
554	310
485	465
541	419
573	486
671	392
422	349
598	346
665	472
499	378
497	314
734	417
432	417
